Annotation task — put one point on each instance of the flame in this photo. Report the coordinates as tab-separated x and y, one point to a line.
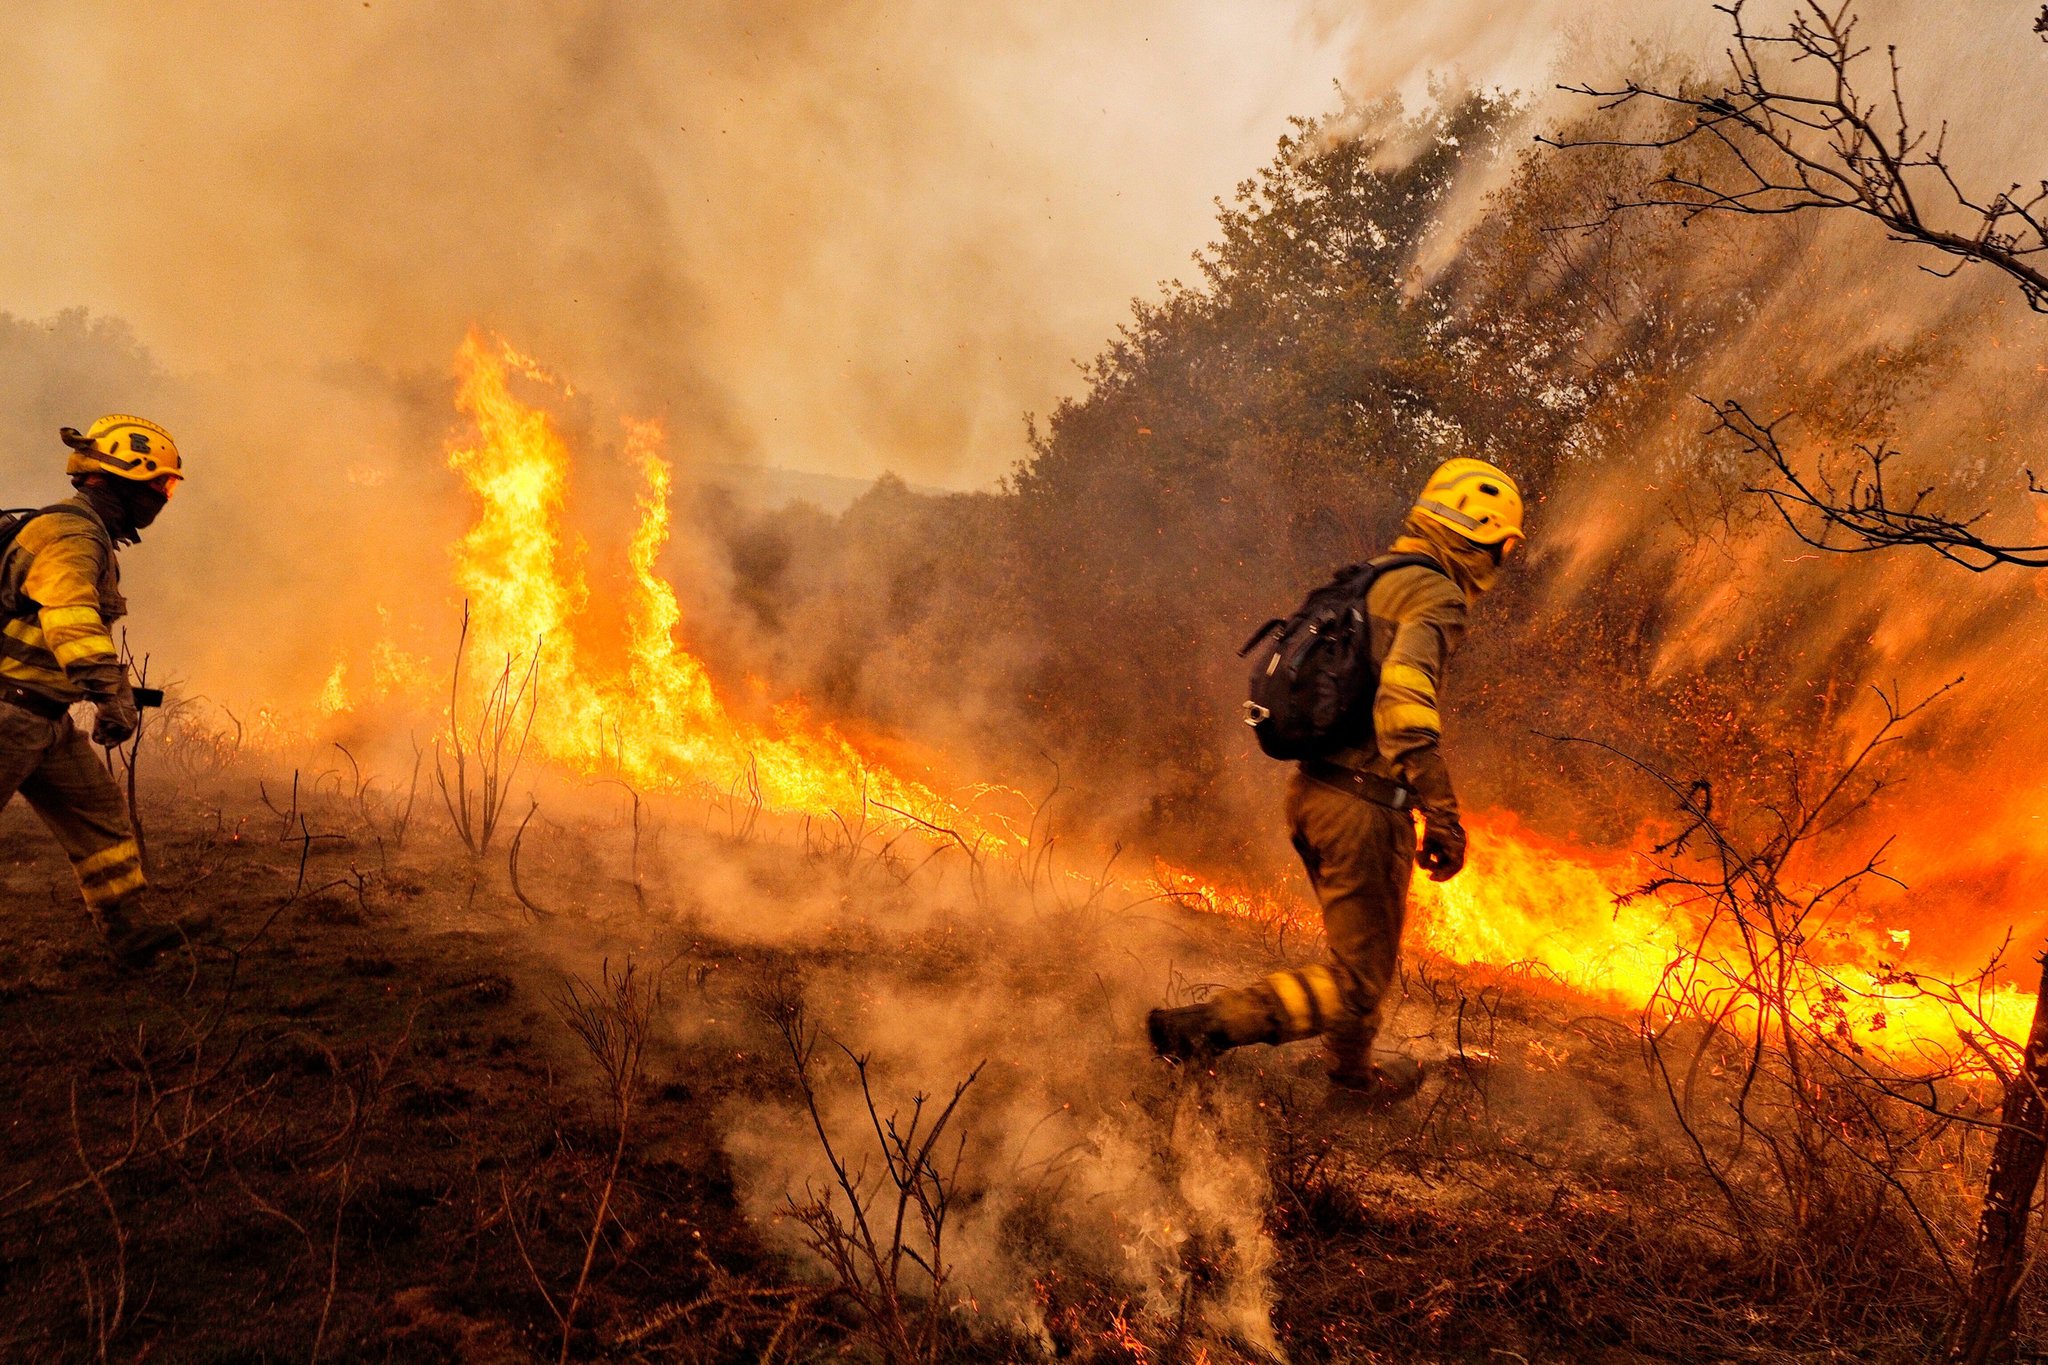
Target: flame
334	696
1567	916
656	719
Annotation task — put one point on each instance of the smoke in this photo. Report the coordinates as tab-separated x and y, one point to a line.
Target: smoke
868	237
828	237
1082	1162
842	237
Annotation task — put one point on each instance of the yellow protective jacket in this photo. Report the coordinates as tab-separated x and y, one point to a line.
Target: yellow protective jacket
60	587
1418	621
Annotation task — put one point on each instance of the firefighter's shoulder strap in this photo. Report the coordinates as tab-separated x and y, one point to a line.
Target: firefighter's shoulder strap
1354	580
12	520
1313	676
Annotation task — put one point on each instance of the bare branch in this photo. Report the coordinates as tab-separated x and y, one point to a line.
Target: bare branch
1789	129
1866	513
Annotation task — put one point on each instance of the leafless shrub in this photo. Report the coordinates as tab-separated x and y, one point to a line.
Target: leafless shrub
401	816
485	757
638	809
512	864
1866	512
287	817
193	749
741	803
943	837
105	1300
774	1322
881	1239
611	1019
1819	1150
363	1087
843	840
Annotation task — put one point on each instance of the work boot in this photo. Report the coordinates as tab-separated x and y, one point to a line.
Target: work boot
137	943
1386	1080
1187	1034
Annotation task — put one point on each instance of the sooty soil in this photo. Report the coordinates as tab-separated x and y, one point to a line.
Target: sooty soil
350	1122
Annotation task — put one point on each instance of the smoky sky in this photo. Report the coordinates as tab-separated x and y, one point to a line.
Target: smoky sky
838	237
844	237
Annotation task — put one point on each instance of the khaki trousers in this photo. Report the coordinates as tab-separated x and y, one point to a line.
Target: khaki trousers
1360	856
57	772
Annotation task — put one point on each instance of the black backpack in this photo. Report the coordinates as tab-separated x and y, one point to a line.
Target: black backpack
1314	676
12	519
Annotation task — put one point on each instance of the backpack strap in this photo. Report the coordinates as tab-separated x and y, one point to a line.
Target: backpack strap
1261	633
1402	561
16	520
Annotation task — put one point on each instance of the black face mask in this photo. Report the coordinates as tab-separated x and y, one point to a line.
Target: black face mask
141	503
125	507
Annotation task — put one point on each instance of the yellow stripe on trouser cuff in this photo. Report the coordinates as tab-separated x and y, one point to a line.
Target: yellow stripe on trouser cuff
84	648
111	856
1297	1013
56	618
1329	999
101	894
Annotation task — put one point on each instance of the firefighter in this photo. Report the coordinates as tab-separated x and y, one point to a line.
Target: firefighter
60	593
1353	812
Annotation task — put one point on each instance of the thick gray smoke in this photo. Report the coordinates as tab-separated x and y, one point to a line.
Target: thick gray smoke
851	238
841	239
844	238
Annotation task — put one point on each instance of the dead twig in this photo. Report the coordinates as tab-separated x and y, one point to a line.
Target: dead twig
611	1018
486	759
512	864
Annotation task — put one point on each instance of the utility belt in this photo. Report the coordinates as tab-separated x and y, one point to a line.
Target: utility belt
1381	791
32	701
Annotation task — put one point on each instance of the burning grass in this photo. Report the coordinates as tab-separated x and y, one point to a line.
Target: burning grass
531	676
361	1107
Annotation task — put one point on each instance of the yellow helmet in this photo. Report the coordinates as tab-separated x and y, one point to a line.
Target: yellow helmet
126	447
1474	499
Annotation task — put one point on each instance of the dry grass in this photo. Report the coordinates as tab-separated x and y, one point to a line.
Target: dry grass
380	1119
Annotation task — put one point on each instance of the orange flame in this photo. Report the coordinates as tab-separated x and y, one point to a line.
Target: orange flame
657	721
1563	915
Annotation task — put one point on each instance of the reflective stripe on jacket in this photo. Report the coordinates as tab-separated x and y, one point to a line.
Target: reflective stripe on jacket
61	586
1418	621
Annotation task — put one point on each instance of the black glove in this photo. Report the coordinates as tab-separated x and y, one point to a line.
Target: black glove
107	686
117	720
1442	854
1442	850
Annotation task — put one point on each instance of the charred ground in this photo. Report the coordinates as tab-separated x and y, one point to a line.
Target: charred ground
379	1116
358	1124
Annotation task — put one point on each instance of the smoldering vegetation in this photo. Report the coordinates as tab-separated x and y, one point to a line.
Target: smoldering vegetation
674	1079
1254	428
670	1078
